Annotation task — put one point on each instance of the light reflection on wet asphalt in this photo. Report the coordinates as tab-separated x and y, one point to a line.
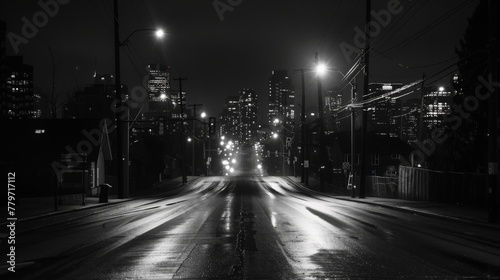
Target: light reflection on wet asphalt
253	228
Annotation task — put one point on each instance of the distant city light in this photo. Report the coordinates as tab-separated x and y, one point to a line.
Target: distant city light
163	96
441	89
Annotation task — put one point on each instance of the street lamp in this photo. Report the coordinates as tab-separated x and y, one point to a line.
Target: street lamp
159	33
276	136
122	112
320	71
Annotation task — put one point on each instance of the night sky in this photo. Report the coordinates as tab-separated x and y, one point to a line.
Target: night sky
219	58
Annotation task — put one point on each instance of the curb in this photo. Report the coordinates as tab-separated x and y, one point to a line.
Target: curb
401	209
98	205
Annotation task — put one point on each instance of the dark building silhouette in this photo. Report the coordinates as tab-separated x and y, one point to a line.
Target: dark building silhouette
248	115
95	100
230	117
384	117
17	98
281	99
160	100
410	120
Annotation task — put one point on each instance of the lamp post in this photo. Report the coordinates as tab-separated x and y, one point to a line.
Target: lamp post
193	169
122	110
203	115
276	136
320	70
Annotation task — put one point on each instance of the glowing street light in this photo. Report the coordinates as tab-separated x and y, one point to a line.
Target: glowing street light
203	115
122	128
321	69
159	33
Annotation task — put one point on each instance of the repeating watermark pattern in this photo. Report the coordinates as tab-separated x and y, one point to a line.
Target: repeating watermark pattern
11	221
462	111
40	19
225	6
381	19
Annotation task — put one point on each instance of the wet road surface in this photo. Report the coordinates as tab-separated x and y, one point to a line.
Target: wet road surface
250	227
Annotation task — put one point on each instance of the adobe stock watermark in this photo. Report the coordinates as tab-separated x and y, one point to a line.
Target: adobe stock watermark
92	139
471	103
39	19
380	20
222	6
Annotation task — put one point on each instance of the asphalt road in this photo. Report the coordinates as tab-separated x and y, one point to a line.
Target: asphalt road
249	227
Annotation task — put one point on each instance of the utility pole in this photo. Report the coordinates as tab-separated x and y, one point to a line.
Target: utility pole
366	84
322	150
193	169
183	136
121	127
421	121
303	127
494	8
353	126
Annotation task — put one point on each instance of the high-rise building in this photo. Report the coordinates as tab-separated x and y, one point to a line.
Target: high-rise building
410	120
159	89
248	115
95	100
384	116
281	99
17	98
437	100
333	101
230	118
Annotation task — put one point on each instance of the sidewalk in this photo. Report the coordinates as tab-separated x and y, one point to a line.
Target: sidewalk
32	208
463	213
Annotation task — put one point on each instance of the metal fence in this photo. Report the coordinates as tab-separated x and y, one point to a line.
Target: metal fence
451	187
378	186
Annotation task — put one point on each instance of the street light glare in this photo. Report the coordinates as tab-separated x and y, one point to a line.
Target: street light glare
203	115
160	33
321	69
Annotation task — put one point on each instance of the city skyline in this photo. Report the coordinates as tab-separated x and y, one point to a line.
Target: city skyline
221	55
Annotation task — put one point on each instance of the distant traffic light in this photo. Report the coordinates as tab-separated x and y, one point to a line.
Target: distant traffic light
211	126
